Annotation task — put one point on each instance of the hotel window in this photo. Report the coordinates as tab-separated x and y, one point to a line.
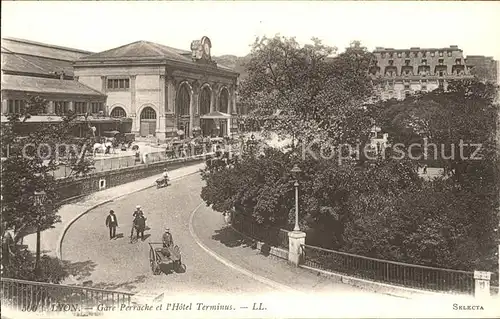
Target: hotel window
424	61
118	84
449	53
407	62
61	107
391	62
17	106
80	107
433	54
415	54
424	53
441	61
407	54
407	86
440	53
458	61
399	54
391	55
383	55
96	107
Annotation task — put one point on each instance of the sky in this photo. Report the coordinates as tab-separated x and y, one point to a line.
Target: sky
233	25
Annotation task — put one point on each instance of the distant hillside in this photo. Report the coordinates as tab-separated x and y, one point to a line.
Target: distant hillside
234	62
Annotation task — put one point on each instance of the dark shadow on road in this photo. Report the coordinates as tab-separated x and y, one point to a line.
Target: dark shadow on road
147	228
230	238
146	236
126	286
80	269
119	235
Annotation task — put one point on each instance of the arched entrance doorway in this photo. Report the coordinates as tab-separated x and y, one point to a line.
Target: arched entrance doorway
224	101
205	97
148	121
182	105
118	112
223	107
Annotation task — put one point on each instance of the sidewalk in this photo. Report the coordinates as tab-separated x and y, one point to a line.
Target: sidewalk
209	226
51	238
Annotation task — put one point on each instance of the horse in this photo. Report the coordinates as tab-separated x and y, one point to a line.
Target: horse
139	225
99	148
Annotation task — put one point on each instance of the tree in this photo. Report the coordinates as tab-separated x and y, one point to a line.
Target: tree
27	168
305	93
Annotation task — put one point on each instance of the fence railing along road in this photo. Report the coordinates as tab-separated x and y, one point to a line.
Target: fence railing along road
272	236
34	296
391	272
372	269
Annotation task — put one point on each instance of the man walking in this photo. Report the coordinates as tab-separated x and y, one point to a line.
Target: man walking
112	223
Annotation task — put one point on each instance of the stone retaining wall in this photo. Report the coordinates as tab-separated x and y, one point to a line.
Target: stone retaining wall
70	188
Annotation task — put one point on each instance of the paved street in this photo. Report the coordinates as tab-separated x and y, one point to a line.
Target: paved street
118	264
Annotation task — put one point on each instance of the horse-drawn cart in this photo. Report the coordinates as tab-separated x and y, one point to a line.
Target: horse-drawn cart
167	257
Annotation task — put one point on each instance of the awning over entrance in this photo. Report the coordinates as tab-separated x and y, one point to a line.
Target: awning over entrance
216	115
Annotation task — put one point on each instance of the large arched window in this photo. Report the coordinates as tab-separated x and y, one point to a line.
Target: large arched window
183	101
224	101
118	112
205	97
148	114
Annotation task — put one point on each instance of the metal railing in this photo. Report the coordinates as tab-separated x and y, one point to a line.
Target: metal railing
34	296
391	272
272	236
103	163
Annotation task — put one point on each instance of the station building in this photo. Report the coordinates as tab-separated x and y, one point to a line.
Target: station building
166	92
38	69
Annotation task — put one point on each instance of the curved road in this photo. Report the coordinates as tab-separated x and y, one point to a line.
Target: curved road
118	264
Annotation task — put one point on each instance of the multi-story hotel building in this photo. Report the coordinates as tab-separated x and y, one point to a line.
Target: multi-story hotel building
404	72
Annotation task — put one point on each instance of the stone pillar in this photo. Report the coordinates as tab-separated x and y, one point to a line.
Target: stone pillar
51	108
5	106
191	110
295	240
160	131
104	86
71	106
217	98
133	115
482	284
234	109
214	98
195	121
171	92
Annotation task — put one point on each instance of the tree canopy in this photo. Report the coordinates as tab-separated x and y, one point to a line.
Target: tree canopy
307	92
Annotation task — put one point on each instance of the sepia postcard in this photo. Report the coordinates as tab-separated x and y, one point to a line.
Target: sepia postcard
250	159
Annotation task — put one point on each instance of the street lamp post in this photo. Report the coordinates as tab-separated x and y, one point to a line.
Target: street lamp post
295	172
39	200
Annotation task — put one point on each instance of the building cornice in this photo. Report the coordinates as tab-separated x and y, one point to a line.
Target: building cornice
155	62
